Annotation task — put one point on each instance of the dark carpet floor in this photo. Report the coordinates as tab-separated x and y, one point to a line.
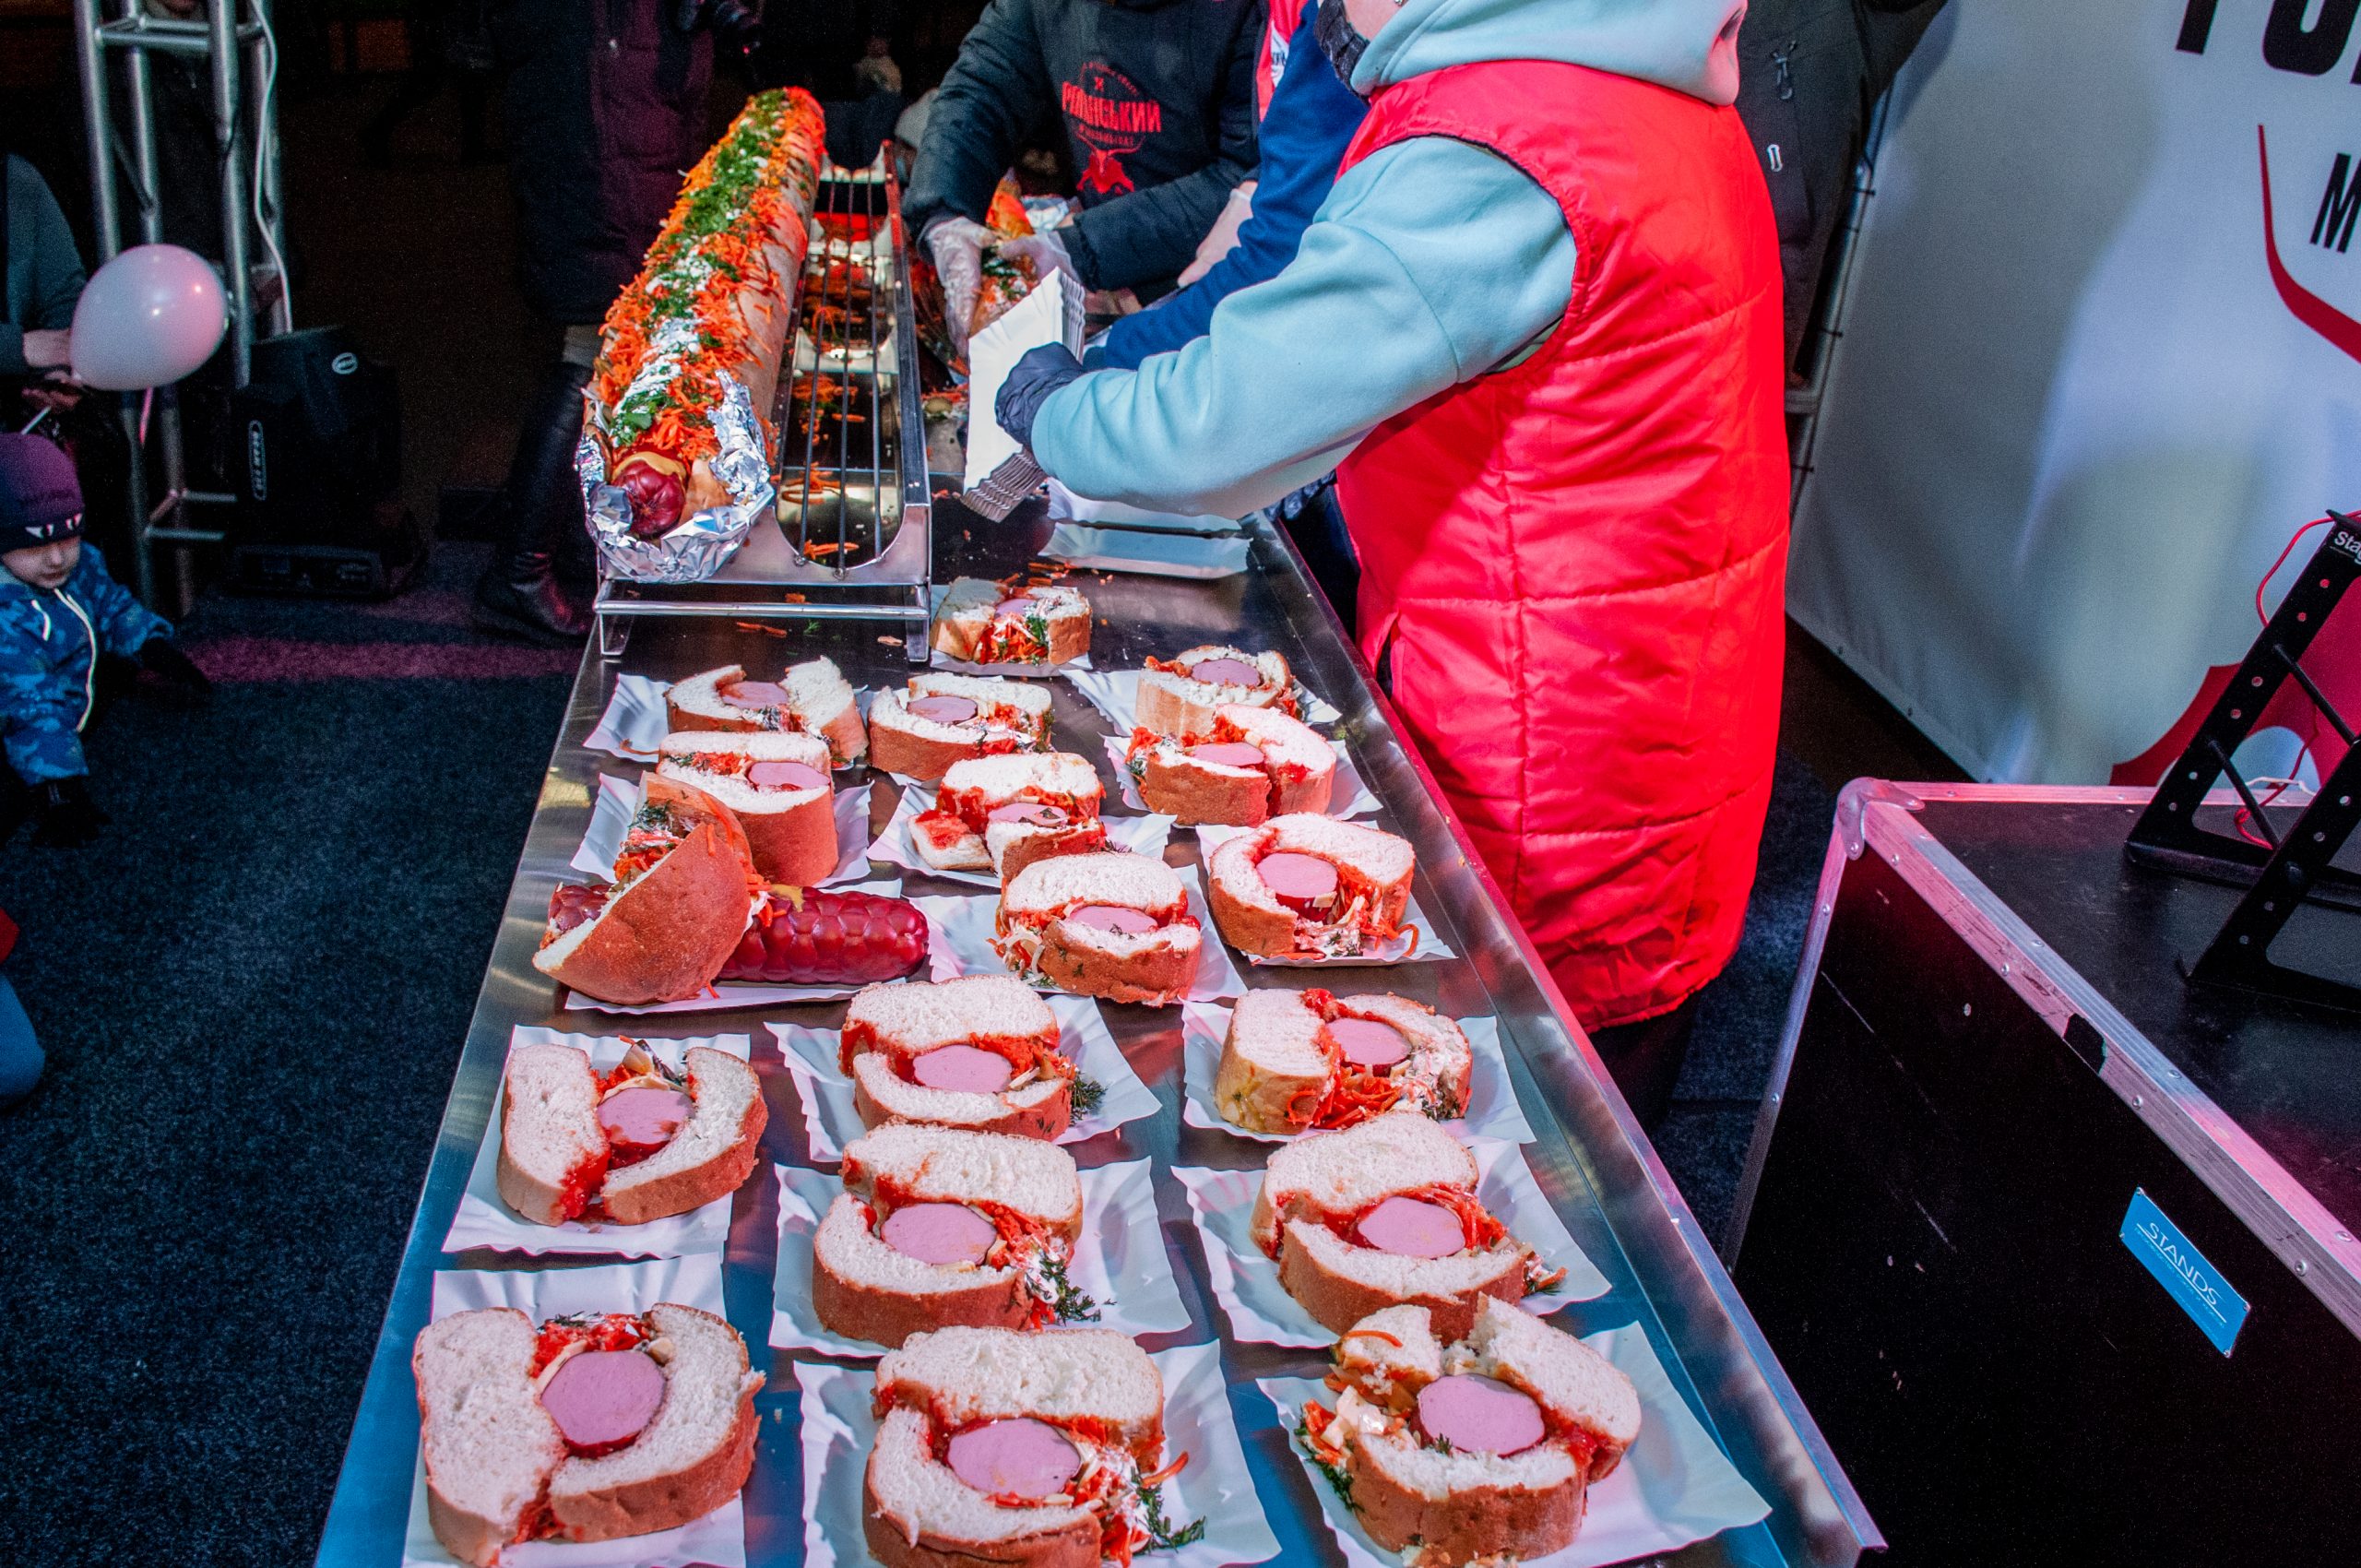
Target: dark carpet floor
252	989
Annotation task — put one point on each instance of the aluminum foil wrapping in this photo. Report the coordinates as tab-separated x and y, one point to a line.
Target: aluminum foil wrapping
695	547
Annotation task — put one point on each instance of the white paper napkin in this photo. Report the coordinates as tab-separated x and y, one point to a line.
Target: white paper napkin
634	720
737	994
1119	1261
840	1426
619	798
1140	835
1674	1486
1116	694
1185	556
1425	947
1066	506
963	931
1050	312
1347	796
485	1221
1492	1109
830	1120
1247	1279
718	1539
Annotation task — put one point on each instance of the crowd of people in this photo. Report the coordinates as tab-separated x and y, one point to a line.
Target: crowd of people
1492	302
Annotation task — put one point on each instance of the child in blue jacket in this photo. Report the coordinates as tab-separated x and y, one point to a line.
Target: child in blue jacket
59	613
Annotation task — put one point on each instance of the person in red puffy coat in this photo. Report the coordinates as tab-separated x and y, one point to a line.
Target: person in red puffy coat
1536	327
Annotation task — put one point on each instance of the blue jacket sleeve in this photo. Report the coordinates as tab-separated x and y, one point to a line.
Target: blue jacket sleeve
123	624
1312	120
39	707
1432	263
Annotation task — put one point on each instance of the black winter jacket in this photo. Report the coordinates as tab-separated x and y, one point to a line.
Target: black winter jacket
1809	72
605	106
1156	99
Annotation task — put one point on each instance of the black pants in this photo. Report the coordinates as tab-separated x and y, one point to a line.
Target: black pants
1645	1059
1316	524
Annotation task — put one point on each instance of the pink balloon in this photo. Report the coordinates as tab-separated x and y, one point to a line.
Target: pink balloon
148	318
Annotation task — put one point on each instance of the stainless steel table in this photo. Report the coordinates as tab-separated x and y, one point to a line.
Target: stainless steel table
1589	1157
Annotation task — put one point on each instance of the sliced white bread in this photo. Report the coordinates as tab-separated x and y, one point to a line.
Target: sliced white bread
1340	1282
490	1448
1374	870
552	1152
692	1456
1274	1062
887	1027
976	787
792	832
1156	967
1464	1504
667	934
1194	790
818	701
965	1375
864	1288
1054	628
1172	701
917	1513
1010	716
709	1158
1326	1174
1302	764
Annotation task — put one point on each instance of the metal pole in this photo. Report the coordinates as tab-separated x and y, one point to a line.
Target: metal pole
262	68
226	146
139	108
91	62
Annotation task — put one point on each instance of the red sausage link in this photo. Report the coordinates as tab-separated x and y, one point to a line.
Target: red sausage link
1409	1227
1481	1414
829	939
1225	672
939	1234
964	1069
1022	1458
1305	883
1365	1042
639	1121
601	1399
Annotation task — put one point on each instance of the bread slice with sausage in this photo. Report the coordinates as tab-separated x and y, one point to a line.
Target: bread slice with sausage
942	719
980	1053
1113	925
937	1227
1248	765
1181	696
984	622
1381	1214
810	698
1345	891
581	1429
574	1144
777	783
684	885
1297	1059
1477	1450
1001	1447
1004	813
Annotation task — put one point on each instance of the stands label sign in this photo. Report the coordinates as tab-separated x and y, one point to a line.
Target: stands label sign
2102	357
2184	1273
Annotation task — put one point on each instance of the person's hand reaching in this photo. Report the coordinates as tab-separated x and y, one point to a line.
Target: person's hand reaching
64	817
957	245
1030	382
49	347
1047	252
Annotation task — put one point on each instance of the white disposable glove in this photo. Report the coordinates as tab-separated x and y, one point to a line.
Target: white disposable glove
1222	237
1046	252
957	245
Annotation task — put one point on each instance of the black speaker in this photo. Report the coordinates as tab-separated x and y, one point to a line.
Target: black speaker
312	450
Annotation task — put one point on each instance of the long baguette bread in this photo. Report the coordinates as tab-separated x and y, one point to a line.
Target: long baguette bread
1310	1058
1248	765
711	309
1108	924
1181	696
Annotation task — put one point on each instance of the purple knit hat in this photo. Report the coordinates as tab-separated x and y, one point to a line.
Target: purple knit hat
41	501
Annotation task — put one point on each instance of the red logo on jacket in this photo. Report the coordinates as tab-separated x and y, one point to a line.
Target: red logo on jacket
1106	113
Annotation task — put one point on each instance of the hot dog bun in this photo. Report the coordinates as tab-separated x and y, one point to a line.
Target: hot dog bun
1179	775
1373	868
1282	1069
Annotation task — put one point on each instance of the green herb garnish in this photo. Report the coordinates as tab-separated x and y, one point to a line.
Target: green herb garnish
1069	1304
1336	1475
1087	1095
1161	1536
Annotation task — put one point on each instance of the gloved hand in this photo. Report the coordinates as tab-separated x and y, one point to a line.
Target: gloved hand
183	684
64	817
957	245
1031	381
1047	252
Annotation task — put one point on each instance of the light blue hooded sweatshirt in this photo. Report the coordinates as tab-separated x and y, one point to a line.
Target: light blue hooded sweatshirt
1432	262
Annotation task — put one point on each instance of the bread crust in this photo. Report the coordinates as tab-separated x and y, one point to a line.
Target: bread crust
1074	839
1474	1522
889	1317
796	846
528	1195
1194	793
1336	1301
1072	1546
666	936
896	750
1266	933
1046	1120
1158	976
664	1503
699	1184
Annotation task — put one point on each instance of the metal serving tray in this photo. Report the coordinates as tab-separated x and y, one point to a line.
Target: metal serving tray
849	536
1589	1157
